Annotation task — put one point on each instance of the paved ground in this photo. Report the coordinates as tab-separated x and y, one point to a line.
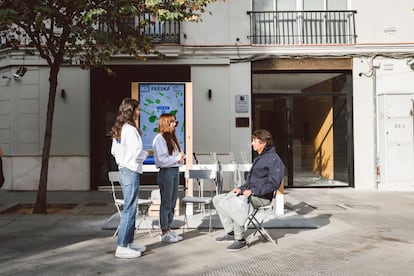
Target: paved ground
338	231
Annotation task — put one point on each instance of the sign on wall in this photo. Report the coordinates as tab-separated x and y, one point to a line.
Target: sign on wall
156	99
242	103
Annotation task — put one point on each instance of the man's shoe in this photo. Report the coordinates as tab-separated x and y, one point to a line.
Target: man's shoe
225	238
126	253
137	247
237	245
168	237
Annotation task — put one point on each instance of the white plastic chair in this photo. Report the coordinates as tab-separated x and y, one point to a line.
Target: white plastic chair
143	204
199	175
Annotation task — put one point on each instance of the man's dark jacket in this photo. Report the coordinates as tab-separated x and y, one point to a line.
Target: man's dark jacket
265	175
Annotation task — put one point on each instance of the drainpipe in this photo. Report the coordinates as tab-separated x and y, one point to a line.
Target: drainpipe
376	108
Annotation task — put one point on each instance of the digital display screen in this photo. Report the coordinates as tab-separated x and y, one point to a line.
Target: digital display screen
156	99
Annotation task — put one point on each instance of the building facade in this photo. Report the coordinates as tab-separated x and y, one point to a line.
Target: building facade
332	80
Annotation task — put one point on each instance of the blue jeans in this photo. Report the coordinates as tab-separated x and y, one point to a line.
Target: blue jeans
129	181
168	180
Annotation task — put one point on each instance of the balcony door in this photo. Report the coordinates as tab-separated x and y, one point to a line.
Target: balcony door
301	22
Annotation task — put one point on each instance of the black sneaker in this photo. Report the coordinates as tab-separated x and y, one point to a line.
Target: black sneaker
225	238
237	245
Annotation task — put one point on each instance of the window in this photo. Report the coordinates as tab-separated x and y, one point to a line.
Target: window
302	22
298	5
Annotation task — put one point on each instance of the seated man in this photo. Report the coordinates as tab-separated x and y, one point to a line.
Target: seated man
262	181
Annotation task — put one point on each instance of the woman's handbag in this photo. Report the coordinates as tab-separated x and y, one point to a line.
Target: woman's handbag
237	207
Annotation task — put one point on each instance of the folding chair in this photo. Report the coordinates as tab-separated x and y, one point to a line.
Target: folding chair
200	176
143	204
265	212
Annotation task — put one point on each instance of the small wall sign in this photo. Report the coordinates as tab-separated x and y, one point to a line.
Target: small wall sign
242	103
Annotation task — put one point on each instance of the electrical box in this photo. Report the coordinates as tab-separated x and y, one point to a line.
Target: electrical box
395	138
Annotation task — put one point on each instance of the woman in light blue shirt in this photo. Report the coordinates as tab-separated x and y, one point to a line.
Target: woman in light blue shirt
129	156
168	158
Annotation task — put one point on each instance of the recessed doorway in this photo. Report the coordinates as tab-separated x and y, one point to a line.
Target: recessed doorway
311	125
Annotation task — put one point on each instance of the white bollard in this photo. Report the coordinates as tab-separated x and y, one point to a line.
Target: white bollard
280	204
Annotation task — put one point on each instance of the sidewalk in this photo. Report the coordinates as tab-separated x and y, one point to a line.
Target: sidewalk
324	232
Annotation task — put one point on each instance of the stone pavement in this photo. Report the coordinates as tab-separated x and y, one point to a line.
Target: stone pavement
338	231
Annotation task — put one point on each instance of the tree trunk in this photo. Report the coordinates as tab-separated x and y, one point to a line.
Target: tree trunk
40	206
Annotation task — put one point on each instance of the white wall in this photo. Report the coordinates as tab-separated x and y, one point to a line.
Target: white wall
71	123
65	173
23	124
364	123
395	93
228	21
240	137
374	77
384	21
5	107
210	121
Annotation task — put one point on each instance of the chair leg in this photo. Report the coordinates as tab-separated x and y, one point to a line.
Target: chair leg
117	229
258	225
144	219
116	232
263	232
209	226
185	222
144	211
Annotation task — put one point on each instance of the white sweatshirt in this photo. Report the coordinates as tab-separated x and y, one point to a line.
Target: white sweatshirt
161	156
128	152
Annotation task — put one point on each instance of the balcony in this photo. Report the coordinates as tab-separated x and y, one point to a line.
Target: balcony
302	27
160	32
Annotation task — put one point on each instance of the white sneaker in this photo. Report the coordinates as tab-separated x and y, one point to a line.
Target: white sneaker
172	232
168	237
137	247
126	253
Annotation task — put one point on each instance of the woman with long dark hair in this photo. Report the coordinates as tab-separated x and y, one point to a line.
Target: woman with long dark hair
129	156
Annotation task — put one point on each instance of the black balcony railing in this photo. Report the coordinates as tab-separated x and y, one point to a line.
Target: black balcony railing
302	27
162	31
159	31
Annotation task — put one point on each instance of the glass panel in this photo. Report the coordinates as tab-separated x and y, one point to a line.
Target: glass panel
335	5
310	127
263	5
319	5
271	113
319	132
313	5
286	5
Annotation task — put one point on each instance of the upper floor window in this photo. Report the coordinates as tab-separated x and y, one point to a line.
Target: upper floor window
302	22
299	5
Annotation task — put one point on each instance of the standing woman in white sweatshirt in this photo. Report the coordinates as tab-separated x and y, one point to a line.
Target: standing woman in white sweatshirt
129	156
168	158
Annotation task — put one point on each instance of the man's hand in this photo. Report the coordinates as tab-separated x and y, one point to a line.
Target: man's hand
247	193
237	191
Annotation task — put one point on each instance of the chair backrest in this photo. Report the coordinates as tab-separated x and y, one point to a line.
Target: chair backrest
156	196
200	174
113	177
